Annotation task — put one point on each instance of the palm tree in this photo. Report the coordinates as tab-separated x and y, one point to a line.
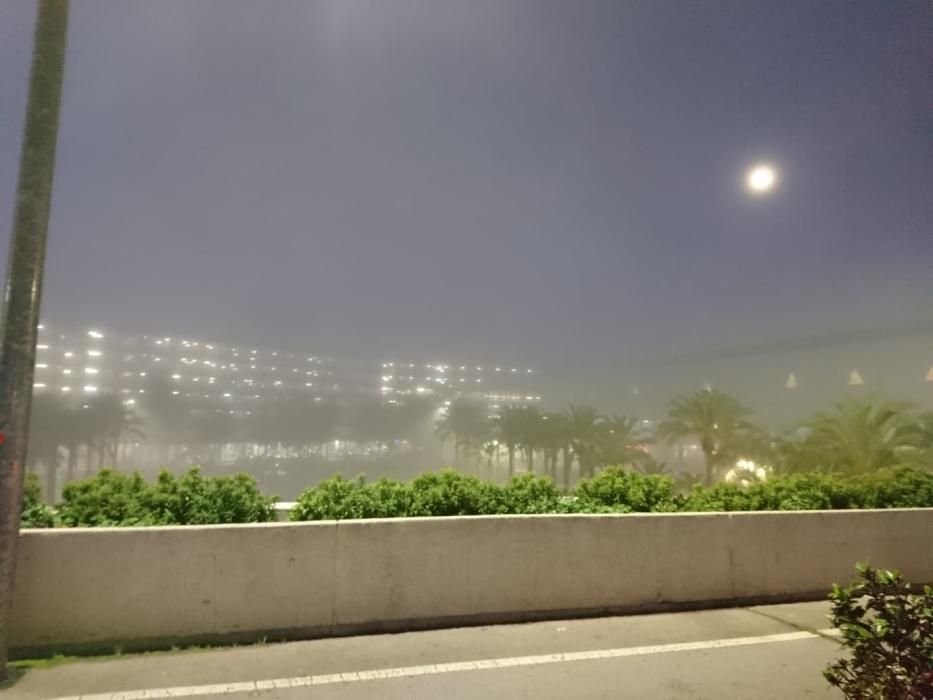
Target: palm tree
584	424
563	436
110	421
649	465
465	421
167	415
621	441
860	436
554	441
685	481
50	418
717	420
508	428
531	434
491	451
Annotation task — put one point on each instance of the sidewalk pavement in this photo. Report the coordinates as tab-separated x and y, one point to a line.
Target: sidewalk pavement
773	652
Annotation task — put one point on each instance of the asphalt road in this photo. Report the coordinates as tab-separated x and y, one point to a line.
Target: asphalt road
754	653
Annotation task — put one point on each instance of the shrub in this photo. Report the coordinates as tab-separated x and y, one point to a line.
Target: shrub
35	512
888	632
530	494
899	487
451	493
116	499
110	498
195	500
627	492
818	491
342	499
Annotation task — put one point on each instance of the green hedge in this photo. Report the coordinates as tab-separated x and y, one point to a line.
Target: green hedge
613	490
35	512
115	499
112	498
901	487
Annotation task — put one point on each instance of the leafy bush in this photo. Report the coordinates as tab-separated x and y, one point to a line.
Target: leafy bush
900	487
528	494
342	499
115	499
450	493
627	492
112	498
108	499
196	500
888	631
35	512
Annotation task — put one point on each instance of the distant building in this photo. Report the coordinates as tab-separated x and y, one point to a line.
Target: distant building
494	384
95	361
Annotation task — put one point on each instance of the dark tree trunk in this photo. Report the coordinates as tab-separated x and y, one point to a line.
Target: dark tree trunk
568	465
51	475
72	463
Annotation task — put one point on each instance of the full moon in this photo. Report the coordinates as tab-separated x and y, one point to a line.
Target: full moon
761	179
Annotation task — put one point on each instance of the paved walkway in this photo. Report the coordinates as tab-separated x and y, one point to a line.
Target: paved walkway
754	653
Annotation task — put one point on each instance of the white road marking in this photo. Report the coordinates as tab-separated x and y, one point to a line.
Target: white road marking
381	674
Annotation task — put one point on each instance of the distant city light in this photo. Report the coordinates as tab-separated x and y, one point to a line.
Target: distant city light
42	347
95	334
38	385
93	353
90	389
91	370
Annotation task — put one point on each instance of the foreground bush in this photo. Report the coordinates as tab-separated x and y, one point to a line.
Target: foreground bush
901	487
342	499
116	499
888	632
113	498
614	490
627	492
35	512
444	493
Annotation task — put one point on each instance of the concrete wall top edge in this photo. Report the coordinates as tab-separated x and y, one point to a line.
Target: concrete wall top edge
456	518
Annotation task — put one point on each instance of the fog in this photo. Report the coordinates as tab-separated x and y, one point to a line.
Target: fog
355	236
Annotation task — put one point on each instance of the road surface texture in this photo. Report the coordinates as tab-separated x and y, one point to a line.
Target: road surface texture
774	651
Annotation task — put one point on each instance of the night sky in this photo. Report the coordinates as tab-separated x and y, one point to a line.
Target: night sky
556	183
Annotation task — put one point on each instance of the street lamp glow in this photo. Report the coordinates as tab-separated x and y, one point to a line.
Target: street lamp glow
761	179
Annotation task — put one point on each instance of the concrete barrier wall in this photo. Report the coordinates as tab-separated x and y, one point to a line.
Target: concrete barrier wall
146	587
